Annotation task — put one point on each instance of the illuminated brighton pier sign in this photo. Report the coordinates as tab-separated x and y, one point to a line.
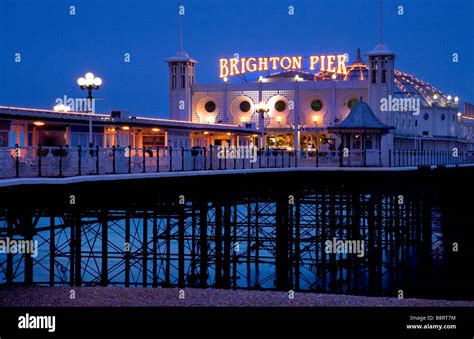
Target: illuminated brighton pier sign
329	63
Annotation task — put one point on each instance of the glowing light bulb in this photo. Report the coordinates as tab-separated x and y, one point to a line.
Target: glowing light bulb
81	81
89	76
97	81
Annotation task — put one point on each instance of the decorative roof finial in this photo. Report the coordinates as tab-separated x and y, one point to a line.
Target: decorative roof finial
380	24
358	59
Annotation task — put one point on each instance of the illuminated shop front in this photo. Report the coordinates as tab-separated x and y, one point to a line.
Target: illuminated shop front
33	127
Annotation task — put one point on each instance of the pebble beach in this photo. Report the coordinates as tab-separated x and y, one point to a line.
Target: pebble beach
36	296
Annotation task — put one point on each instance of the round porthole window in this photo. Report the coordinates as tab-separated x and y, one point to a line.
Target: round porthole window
210	106
280	106
352	103
316	105
244	106
426	116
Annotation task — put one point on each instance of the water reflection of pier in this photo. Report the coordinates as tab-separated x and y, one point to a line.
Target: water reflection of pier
271	239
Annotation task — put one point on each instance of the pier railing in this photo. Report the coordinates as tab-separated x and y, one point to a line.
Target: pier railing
22	162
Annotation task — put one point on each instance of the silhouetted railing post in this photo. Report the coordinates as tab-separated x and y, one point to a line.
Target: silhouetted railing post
390	157
17	161
205	158
39	162
129	158
170	150
225	157
157	159
113	159
210	157
97	160
256	152
143	160
60	161
182	158
79	159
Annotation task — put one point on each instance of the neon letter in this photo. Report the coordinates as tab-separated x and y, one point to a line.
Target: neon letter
233	66
274	61
323	60
331	59
224	70
341	64
282	63
263	64
251	64
297	62
313	60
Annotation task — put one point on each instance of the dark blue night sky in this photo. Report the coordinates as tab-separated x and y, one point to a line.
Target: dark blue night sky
56	48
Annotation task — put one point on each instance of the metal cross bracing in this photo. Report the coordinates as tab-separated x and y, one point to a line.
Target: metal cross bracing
254	242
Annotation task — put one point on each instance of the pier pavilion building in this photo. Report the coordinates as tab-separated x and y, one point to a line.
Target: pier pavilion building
305	108
303	105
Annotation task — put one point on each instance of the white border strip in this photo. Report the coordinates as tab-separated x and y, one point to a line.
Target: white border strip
112	177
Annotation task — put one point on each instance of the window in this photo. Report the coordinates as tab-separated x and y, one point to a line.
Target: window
384	76
183	81
244	106
280	106
426	116
416	122
443	117
173	82
374	71
352	103
154	140
316	105
368	141
374	76
210	106
356	141
3	138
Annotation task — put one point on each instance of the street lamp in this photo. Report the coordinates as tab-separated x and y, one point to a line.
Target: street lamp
89	82
262	108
